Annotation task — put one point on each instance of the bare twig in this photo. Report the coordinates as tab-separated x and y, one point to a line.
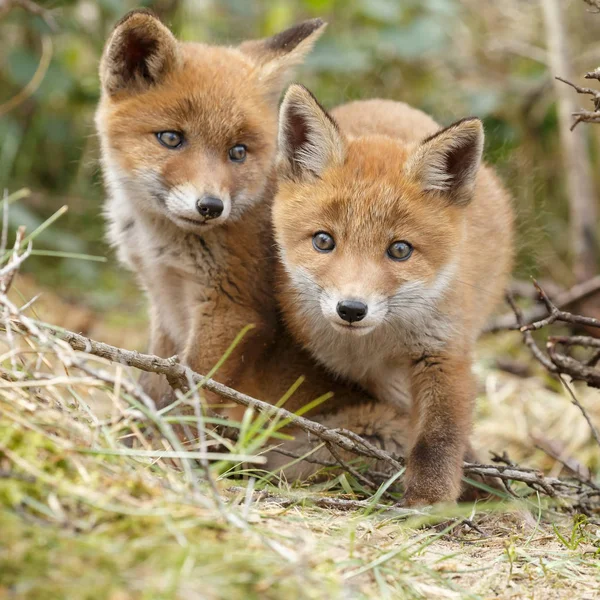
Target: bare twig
584	412
585	116
332	503
346	440
565	299
554	314
528	338
177	372
558	363
570	463
575	340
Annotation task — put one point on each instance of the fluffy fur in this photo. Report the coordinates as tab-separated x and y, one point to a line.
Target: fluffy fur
374	173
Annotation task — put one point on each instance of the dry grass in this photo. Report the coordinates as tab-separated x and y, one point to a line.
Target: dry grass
82	518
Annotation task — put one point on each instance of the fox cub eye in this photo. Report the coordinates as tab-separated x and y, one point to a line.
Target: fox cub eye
170	139
400	251
323	242
238	153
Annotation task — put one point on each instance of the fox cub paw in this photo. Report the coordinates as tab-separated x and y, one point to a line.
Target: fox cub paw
425	493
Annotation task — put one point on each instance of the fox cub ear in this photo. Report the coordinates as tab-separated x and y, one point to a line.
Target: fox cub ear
277	55
448	161
309	139
140	51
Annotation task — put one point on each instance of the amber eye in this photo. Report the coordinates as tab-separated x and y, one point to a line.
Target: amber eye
238	153
170	139
400	251
323	242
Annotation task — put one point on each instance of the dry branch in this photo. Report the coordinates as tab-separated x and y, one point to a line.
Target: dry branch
347	440
331	503
555	314
562	300
176	372
555	362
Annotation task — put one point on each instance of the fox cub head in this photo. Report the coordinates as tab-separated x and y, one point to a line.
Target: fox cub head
188	130
369	229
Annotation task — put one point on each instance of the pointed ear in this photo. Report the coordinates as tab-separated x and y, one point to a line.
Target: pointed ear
448	161
138	54
309	139
276	56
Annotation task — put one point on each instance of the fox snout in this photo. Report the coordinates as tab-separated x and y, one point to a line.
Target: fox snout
192	208
352	310
210	207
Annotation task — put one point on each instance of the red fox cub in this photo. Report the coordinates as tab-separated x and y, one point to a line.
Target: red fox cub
188	135
395	245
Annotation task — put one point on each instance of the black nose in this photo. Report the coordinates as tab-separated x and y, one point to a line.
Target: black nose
351	310
210	207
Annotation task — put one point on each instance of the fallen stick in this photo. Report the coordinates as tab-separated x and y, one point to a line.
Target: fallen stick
347	440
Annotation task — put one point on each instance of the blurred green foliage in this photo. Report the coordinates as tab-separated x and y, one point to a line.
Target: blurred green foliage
451	58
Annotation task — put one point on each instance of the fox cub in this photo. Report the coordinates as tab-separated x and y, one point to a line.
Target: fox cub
188	135
395	245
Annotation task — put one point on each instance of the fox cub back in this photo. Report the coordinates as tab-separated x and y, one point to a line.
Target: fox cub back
395	246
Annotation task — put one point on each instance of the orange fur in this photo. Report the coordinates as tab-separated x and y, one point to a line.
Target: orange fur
370	178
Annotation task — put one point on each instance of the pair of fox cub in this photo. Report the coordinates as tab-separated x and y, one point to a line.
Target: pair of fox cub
366	245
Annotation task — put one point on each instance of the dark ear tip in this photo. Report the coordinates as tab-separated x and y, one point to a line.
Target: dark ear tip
137	12
476	121
287	40
314	24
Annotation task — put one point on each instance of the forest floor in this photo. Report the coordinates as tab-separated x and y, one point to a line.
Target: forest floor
83	517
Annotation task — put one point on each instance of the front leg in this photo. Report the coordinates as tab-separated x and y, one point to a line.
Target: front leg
209	338
443	392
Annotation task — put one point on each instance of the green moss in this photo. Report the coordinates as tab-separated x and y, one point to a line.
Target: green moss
146	561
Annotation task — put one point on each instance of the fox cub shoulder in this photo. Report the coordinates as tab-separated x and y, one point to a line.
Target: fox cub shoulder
395	245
